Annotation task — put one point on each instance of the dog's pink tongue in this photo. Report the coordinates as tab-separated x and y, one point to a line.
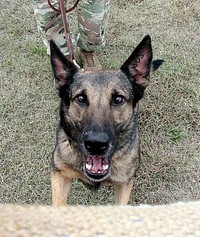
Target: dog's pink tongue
97	164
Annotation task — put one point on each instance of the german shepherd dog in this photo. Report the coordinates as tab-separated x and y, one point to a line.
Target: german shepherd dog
97	136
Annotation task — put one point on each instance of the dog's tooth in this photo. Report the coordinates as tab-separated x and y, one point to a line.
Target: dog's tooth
88	166
105	167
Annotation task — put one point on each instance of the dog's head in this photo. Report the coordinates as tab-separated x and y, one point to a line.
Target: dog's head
98	110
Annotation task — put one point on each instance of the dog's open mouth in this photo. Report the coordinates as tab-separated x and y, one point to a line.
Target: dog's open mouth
97	167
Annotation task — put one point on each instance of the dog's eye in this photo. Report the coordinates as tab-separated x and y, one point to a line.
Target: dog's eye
81	99
118	100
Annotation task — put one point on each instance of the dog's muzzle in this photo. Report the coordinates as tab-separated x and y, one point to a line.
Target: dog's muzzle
97	164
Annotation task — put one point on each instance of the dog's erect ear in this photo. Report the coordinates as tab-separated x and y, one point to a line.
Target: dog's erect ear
137	66
63	68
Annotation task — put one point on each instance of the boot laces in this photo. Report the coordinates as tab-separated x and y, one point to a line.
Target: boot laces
89	57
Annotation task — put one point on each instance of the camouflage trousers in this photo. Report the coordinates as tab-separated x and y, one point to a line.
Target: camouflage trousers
92	22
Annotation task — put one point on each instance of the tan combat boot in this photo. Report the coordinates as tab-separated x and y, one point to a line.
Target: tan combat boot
90	61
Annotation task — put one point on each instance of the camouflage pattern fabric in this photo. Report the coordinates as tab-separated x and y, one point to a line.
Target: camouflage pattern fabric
92	22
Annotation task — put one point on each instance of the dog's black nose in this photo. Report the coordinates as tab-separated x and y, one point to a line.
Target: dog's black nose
96	142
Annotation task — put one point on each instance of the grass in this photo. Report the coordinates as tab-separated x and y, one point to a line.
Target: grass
174	134
169	113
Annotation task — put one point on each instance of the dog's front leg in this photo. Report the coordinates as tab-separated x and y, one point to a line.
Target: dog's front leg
61	186
123	192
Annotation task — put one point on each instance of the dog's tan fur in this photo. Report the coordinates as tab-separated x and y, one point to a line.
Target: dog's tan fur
104	102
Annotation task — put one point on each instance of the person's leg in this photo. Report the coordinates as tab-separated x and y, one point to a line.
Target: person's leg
50	24
92	22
